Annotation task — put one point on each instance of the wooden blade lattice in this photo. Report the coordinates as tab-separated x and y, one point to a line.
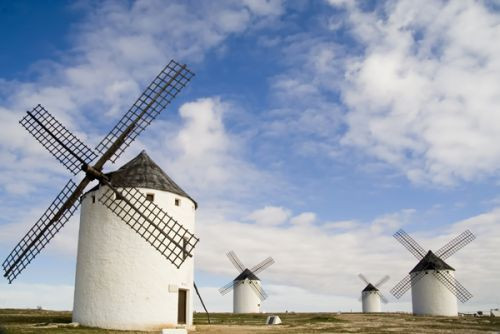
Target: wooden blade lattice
41	233
258	290
235	261
164	88
262	265
61	143
382	281
455	245
410	244
453	285
226	288
364	279
153	224
405	284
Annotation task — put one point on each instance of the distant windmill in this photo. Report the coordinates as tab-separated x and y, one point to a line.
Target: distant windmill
434	289
121	282
248	292
371	295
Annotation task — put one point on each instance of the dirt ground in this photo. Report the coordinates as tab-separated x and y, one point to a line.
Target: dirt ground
17	321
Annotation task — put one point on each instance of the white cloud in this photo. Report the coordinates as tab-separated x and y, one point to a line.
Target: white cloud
305	218
269	215
424	95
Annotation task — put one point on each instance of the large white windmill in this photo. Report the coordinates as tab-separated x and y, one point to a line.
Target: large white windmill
247	290
121	281
434	288
371	295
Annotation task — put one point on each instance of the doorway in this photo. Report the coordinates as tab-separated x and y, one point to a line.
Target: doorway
181	307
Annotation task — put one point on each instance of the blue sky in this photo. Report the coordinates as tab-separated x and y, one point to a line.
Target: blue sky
311	129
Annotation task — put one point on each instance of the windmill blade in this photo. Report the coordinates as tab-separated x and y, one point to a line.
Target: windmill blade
262	266
405	284
382	281
258	290
62	144
235	261
40	234
453	285
455	245
410	244
364	279
161	231
162	90
226	288
382	297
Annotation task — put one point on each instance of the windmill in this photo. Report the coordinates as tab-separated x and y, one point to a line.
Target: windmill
371	295
129	205
434	288
248	292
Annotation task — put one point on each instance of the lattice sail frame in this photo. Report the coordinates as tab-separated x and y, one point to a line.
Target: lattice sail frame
154	225
231	255
405	284
31	244
162	90
262	265
455	245
62	144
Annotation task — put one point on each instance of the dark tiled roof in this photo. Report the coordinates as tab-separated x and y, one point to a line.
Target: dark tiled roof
370	287
246	274
431	262
143	172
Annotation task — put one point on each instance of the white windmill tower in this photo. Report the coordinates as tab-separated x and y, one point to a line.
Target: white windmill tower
247	290
434	289
121	281
371	295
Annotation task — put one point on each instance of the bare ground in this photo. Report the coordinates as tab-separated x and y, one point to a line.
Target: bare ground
50	322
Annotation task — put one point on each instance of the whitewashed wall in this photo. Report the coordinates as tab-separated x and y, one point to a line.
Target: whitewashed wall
245	298
122	282
431	297
370	301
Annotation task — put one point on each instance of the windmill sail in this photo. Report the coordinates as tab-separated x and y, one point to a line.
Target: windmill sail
258	290
235	261
262	265
455	245
153	224
54	218
405	284
453	285
162	90
410	244
62	144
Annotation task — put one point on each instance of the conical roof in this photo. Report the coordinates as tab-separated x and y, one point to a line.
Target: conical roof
143	172
246	274
431	262
370	287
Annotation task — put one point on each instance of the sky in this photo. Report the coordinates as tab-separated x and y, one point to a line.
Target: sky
312	132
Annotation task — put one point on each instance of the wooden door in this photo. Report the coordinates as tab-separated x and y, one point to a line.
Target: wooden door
181	308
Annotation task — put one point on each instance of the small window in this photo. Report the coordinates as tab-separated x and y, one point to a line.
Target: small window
118	197
177	202
93	198
150	197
